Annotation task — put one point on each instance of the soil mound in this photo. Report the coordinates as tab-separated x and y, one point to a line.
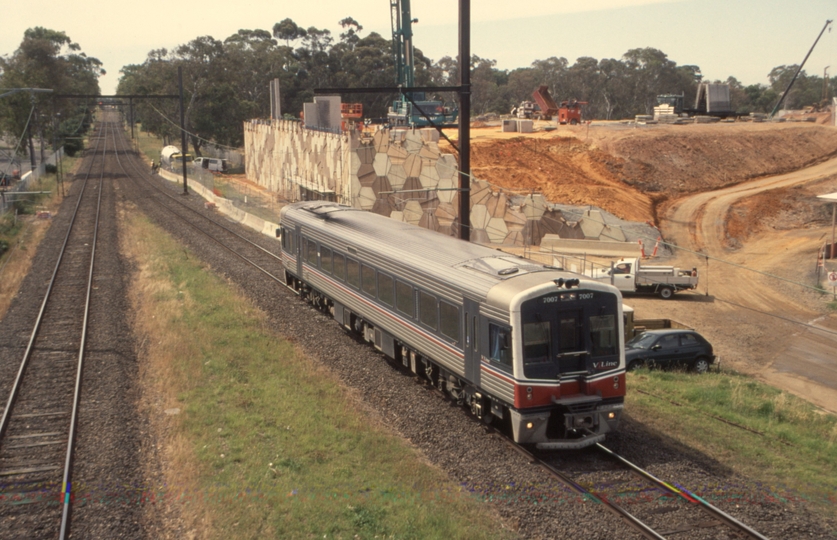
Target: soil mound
629	172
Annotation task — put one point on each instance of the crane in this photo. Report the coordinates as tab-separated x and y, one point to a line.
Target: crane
412	109
781	99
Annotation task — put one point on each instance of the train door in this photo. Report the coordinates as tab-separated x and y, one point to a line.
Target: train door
471	342
571	345
298	248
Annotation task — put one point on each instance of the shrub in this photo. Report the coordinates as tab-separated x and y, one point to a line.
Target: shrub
73	146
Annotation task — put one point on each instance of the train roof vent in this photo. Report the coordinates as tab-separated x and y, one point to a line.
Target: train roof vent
325	209
499	266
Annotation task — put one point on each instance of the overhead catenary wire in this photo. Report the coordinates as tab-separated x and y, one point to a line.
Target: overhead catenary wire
775	316
198	137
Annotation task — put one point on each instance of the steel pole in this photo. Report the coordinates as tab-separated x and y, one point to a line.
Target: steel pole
833	219
465	120
182	129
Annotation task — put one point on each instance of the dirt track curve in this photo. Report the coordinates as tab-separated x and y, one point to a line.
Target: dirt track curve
791	356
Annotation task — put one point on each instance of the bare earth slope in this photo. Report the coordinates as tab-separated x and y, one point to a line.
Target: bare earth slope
631	171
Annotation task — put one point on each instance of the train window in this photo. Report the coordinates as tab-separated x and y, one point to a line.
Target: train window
405	299
568	333
311	252
385	292
288	240
367	274
353	273
500	345
449	320
428	311
284	234
339	266
325	259
603	334
536	343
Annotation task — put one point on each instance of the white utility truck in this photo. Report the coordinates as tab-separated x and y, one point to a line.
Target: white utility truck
630	275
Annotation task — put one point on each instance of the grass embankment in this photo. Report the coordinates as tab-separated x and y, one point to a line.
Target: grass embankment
267	444
779	439
21	231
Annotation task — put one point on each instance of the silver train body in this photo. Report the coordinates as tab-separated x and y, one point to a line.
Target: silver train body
519	343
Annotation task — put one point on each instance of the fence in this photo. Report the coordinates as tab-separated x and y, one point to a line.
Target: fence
8	196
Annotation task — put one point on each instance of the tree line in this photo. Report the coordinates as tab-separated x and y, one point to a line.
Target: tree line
48	59
227	82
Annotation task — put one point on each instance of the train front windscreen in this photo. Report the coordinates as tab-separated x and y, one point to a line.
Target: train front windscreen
570	333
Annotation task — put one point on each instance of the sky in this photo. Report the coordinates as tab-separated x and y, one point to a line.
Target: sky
740	38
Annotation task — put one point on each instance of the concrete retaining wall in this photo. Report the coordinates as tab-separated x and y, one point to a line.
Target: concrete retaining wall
225	206
399	173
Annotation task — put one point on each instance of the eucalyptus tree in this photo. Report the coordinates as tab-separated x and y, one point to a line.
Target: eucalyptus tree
47	59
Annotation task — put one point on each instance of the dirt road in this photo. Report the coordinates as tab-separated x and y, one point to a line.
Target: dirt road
769	323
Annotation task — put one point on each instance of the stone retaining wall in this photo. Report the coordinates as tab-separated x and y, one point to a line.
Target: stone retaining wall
397	173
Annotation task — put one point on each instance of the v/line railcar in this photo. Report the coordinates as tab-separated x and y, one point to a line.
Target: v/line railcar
521	344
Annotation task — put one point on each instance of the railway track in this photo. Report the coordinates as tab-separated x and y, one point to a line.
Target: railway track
654	508
651	506
250	252
39	417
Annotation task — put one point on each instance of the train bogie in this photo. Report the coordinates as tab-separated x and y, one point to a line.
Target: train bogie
509	339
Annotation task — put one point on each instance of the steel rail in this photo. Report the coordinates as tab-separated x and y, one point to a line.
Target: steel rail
644	529
207	234
635	522
66	483
4	421
7	412
683	493
617	509
163	191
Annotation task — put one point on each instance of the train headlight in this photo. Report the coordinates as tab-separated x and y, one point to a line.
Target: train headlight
616	382
611	415
529	393
529	425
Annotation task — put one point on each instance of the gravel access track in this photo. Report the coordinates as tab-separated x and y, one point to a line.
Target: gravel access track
526	499
105	484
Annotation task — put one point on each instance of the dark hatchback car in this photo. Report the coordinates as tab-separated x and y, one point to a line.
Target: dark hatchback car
669	348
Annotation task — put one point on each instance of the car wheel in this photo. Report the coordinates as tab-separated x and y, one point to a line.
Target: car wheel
634	365
666	293
701	365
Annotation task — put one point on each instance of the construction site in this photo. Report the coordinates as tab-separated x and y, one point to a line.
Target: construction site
594	191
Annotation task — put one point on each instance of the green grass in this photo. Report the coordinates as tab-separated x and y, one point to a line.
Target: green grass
279	448
794	451
147	143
